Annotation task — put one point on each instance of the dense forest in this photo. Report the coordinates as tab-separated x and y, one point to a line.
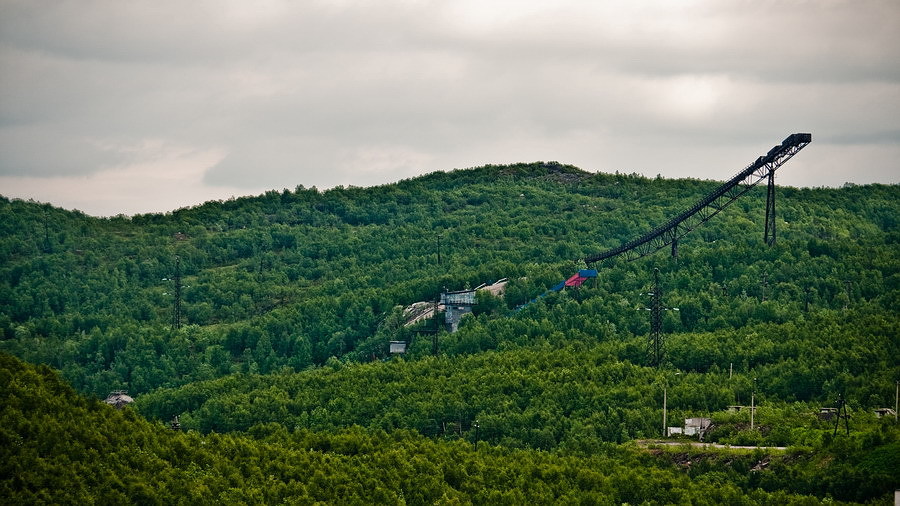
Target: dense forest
288	302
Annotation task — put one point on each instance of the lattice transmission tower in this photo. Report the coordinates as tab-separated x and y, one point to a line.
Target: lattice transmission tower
656	340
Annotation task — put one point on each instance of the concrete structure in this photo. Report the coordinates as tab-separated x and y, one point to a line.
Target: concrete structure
454	304
457	304
696	426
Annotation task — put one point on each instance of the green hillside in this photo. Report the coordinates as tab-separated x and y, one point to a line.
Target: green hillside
289	301
59	447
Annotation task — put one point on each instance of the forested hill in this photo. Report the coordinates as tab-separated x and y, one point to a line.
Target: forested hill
289	301
57	447
289	279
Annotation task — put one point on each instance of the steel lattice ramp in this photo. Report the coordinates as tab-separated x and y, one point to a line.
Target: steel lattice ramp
668	234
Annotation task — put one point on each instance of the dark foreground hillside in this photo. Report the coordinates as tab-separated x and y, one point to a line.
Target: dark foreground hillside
58	447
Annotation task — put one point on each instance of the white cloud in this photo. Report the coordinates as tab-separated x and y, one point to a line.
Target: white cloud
173	178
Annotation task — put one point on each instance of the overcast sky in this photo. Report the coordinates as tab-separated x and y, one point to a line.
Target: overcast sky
135	106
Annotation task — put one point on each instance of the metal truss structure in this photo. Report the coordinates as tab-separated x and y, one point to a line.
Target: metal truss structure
676	228
656	340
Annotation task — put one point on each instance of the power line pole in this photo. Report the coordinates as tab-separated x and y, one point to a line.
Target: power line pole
655	342
848	285
665	424
176	313
437	328
752	408
665	407
48	246
752	403
841	413
655	345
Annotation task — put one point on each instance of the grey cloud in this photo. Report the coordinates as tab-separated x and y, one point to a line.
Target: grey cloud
783	41
175	33
359	93
47	152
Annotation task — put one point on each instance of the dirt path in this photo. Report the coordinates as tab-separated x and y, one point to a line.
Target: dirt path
646	442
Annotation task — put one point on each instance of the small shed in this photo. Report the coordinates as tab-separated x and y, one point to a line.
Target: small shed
827	413
675	430
696	426
692	427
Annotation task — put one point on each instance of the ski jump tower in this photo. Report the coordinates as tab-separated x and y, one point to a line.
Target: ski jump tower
669	233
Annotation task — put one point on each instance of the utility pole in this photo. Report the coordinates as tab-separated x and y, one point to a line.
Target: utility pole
176	313
752	404
841	413
655	345
806	299
847	286
665	411
437	328
665	424
48	246
765	285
